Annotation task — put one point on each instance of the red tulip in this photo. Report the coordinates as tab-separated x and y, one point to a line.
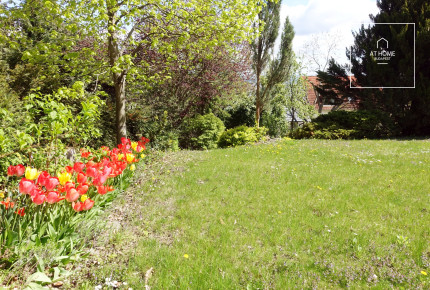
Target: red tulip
17	170
35	191
82	189
81	178
92	172
124	147
102	189
78	166
20	211
69	169
38	198
77	206
85	154
125	140
69	185
90	164
88	204
51	183
11	170
43	178
52	197
26	186
72	195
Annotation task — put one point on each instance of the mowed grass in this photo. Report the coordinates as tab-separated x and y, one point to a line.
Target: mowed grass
290	214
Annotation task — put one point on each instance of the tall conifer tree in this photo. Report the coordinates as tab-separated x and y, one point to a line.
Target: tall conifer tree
270	72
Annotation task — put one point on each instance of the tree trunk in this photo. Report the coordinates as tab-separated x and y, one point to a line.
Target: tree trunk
257	101
320	103
121	128
257	116
293	118
118	78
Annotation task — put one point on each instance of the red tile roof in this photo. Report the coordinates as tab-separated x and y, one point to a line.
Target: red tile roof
312	94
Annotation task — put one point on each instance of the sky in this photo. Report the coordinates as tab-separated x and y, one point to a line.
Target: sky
319	18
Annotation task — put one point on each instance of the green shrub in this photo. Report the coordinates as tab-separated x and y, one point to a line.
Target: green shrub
38	130
167	141
260	132
201	132
241	135
304	132
244	114
157	128
347	125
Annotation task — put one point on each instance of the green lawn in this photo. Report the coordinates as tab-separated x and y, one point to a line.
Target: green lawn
301	214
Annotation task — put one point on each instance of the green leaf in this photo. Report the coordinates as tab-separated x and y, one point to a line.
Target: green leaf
40	263
53	115
39	277
56	273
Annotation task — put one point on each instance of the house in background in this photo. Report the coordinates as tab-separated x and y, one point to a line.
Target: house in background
324	104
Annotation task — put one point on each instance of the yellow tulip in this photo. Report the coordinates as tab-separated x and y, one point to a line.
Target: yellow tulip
130	157
64	177
132	167
142	156
120	156
134	145
84	197
31	173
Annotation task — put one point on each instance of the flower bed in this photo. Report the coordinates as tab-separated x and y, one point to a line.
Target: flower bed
43	207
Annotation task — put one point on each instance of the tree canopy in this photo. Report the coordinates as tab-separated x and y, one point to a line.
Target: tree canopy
100	39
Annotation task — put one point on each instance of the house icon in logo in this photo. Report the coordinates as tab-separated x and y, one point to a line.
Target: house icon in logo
380	43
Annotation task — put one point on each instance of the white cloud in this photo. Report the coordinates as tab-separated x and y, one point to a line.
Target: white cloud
338	17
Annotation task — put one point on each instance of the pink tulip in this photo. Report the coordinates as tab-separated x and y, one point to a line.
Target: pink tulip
19	170
100	179
88	204
72	195
107	170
